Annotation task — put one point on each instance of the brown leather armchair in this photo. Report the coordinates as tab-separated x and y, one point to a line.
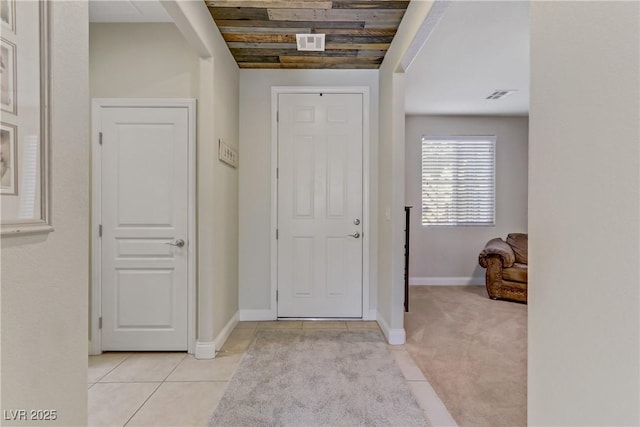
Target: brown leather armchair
506	264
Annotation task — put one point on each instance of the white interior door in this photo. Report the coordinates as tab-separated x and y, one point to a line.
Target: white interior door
320	139
145	252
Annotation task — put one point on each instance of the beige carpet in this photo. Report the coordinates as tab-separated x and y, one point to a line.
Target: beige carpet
473	351
318	378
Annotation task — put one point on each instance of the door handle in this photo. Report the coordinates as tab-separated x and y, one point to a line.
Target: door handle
355	235
179	243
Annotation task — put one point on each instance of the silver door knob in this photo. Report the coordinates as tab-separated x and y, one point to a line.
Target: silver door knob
179	243
356	235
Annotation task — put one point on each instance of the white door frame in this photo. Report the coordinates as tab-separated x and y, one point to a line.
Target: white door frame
95	344
366	229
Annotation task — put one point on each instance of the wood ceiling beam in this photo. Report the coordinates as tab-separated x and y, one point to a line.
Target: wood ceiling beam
370	52
357	46
239	13
287	24
259	38
356	31
328	60
272	4
372	4
255	59
267	30
339	15
241	45
381	25
334	39
283	52
291	38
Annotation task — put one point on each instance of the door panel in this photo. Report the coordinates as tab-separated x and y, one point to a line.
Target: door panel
144	211
303	258
337	162
303	176
319	200
140	202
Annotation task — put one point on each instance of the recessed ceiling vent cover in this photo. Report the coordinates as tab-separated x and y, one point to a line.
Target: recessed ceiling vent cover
314	42
501	93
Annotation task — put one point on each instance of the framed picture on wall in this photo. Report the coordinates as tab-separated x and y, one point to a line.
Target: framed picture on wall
8	15
24	131
8	76
8	160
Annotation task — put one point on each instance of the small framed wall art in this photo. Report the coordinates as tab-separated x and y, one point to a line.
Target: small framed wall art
24	128
8	160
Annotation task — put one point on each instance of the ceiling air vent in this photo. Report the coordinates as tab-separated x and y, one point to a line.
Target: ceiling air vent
501	93
314	42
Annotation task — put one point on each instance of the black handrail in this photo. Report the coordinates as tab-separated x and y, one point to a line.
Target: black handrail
407	222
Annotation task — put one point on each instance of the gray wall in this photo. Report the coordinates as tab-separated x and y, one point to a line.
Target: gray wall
584	191
449	255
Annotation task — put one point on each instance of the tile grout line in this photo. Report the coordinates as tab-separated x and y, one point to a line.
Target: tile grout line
438	402
196	381
112	369
156	389
143	403
174	368
133	382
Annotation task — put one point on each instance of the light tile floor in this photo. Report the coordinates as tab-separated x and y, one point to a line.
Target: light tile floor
175	389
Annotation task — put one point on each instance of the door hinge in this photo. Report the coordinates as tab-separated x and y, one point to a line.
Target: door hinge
100	138
277	116
100	230
100	322
276	295
276	234
277	173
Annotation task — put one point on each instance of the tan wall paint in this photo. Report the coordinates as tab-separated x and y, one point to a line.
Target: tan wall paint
452	252
218	114
584	191
45	277
226	125
391	172
141	60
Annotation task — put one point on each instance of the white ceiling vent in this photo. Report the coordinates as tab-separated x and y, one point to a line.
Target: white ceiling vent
313	42
501	93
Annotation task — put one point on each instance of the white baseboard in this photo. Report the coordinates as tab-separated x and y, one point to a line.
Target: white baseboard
226	331
205	350
394	336
256	315
446	281
93	351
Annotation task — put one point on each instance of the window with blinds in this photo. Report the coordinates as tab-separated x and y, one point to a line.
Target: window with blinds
458	180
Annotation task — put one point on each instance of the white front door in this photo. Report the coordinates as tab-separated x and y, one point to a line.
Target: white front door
145	178
320	140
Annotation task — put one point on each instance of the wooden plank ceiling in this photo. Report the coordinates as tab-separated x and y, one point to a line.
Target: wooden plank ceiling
262	33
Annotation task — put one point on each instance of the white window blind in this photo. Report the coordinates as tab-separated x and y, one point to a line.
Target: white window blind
458	180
